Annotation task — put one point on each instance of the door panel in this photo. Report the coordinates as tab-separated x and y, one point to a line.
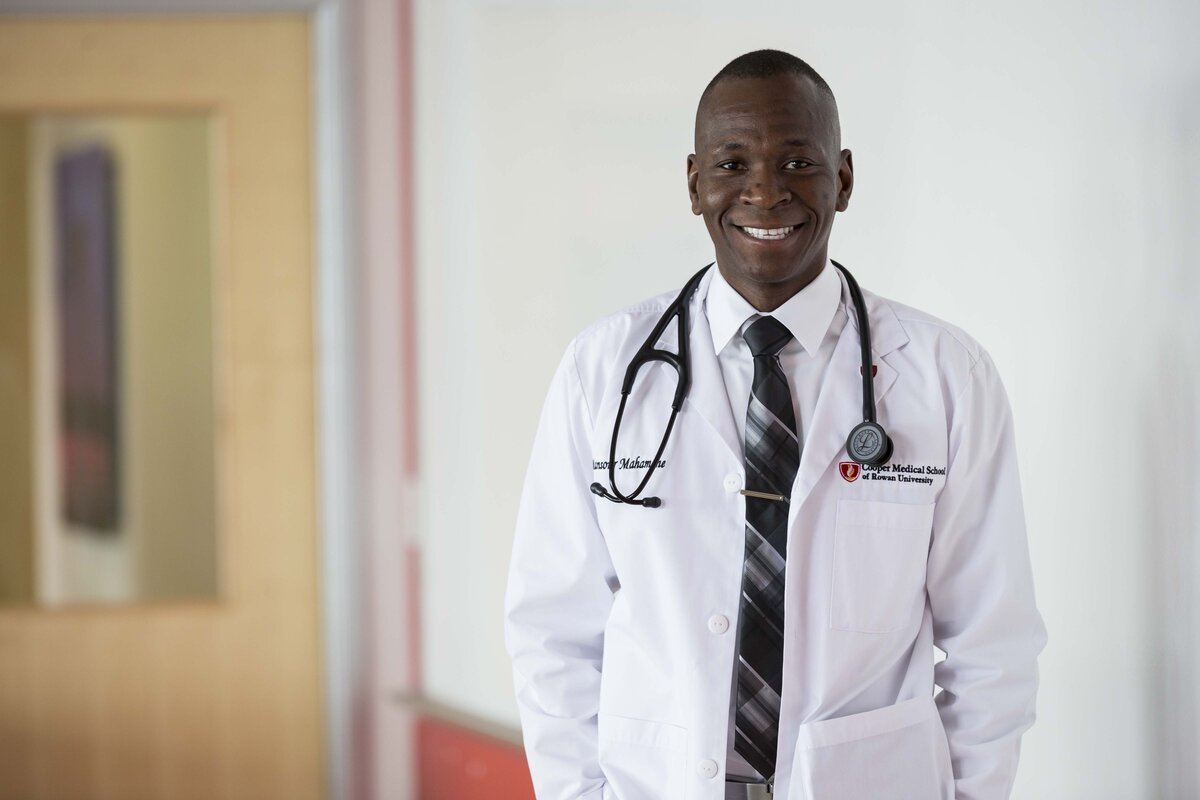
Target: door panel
195	699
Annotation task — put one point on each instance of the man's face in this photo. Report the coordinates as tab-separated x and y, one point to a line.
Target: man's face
768	177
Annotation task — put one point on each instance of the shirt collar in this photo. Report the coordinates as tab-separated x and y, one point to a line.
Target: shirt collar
807	314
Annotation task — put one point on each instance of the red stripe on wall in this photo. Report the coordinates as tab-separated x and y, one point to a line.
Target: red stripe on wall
412	581
406	305
455	763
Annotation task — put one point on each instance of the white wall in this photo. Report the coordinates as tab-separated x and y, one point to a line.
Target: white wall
1026	170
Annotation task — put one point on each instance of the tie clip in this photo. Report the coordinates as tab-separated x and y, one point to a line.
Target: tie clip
762	495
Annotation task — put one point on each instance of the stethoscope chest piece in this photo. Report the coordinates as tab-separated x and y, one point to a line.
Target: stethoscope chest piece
869	445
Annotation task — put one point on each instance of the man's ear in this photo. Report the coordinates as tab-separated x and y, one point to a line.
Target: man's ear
845	180
693	175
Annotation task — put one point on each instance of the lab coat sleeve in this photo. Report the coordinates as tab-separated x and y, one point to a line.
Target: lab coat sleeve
980	589
558	599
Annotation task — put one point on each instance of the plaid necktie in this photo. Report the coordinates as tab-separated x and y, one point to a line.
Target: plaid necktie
772	458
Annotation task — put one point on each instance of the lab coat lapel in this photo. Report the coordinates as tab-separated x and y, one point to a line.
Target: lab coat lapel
708	395
839	405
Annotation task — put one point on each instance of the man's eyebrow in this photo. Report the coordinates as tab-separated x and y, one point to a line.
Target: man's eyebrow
734	146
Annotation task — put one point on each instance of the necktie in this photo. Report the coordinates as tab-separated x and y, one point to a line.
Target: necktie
772	458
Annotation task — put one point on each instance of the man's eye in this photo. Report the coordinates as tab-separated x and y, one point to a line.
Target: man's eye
729	165
798	163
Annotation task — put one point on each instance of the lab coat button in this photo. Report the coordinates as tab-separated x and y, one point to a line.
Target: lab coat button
718	623
707	768
733	482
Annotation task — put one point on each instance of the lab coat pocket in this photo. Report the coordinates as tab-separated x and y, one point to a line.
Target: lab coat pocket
879	555
641	759
898	752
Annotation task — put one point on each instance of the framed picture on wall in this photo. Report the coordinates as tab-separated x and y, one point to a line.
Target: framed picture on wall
86	312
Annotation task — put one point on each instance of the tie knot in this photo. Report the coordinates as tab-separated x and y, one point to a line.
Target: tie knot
766	336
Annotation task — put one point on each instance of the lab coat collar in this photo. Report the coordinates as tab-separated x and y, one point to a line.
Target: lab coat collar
839	405
887	334
707	394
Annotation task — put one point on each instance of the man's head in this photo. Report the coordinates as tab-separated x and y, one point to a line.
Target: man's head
769	174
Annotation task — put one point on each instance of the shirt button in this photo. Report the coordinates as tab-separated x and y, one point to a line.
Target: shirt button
718	623
733	482
707	768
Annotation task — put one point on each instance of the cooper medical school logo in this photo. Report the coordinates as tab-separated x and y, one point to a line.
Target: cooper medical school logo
897	473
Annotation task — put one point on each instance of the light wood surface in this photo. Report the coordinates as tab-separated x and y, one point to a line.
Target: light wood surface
203	700
16	440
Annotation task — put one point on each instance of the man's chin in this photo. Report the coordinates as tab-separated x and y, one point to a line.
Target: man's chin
767	273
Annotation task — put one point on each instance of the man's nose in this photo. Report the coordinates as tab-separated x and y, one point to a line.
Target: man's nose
765	188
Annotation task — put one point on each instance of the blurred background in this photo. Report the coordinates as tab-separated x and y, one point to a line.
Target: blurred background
283	282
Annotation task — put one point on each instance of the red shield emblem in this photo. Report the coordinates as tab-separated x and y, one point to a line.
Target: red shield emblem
874	370
849	470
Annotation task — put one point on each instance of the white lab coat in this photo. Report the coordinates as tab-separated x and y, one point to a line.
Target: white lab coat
621	620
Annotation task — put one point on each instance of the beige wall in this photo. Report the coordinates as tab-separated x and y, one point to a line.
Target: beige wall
16	490
214	700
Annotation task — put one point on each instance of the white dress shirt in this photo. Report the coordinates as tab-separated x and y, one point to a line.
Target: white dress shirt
815	316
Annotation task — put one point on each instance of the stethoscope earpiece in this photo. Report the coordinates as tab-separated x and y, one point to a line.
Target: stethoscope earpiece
648	502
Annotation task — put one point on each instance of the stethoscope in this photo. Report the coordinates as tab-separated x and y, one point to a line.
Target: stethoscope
868	444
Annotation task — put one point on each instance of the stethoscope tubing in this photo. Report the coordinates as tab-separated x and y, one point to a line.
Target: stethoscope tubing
864	340
681	362
645	354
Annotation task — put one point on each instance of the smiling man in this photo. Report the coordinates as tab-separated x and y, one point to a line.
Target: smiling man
769	174
740	600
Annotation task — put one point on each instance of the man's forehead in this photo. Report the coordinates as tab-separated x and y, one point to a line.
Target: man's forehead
738	126
785	106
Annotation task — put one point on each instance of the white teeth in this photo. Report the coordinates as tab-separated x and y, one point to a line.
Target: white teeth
769	233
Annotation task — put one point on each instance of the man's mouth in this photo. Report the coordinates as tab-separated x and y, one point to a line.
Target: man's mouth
767	234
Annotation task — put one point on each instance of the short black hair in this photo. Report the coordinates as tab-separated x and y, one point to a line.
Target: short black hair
768	64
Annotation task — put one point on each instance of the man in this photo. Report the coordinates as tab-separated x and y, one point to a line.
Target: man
766	627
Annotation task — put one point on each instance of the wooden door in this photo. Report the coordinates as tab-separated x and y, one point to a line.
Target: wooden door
222	698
